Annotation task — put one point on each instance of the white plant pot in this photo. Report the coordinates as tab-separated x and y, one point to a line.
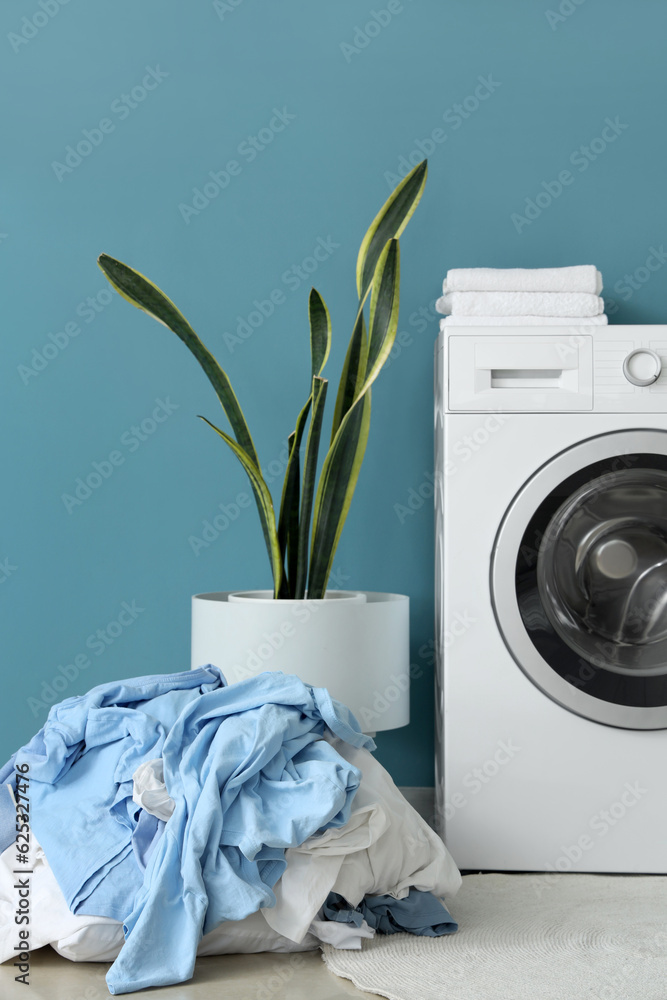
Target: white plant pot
355	644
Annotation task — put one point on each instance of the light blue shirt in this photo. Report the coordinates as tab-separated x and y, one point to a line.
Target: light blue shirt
250	776
80	782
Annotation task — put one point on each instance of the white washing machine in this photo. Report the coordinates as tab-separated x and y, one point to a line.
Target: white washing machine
551	579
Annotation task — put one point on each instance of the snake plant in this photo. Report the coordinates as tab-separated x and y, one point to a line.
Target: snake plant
302	541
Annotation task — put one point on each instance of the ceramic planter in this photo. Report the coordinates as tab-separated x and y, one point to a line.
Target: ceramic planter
356	644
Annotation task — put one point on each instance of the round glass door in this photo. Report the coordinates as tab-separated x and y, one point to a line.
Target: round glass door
579	577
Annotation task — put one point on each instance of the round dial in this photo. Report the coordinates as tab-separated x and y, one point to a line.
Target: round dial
642	366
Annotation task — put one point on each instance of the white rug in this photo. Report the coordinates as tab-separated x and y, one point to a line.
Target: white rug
538	937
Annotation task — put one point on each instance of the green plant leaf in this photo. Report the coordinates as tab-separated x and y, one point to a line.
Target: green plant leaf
143	294
338	480
389	223
357	360
319	394
293	531
289	501
320	332
384	311
340	471
353	373
264	504
139	291
288	521
282	522
367	354
378	270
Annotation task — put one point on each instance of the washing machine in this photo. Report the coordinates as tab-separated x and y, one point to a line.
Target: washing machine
551	597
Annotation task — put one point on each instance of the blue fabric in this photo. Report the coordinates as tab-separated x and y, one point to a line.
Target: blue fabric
7	818
81	767
419	913
250	776
145	838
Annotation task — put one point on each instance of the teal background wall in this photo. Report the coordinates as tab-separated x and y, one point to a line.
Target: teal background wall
80	370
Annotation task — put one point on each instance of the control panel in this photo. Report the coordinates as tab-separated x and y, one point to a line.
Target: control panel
538	369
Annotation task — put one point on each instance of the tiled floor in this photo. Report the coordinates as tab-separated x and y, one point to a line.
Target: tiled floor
234	977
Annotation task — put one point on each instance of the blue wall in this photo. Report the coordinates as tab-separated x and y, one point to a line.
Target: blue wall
515	92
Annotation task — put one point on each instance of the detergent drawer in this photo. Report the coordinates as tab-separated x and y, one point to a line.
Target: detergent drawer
520	373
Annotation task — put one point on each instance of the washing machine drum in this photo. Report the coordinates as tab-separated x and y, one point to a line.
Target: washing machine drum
584	545
602	570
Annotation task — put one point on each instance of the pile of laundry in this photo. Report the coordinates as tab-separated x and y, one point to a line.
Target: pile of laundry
540	296
171	816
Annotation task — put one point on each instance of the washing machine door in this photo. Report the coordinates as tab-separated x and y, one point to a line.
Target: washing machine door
579	579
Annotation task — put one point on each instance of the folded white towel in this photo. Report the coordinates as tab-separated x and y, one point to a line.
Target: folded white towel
582	278
573	321
520	304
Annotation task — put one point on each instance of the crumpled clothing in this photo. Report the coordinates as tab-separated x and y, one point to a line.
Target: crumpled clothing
386	847
250	776
80	778
98	939
7	817
419	913
145	838
150	791
344	936
50	918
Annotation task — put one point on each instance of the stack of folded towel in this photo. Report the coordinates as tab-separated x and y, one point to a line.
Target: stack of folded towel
541	296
